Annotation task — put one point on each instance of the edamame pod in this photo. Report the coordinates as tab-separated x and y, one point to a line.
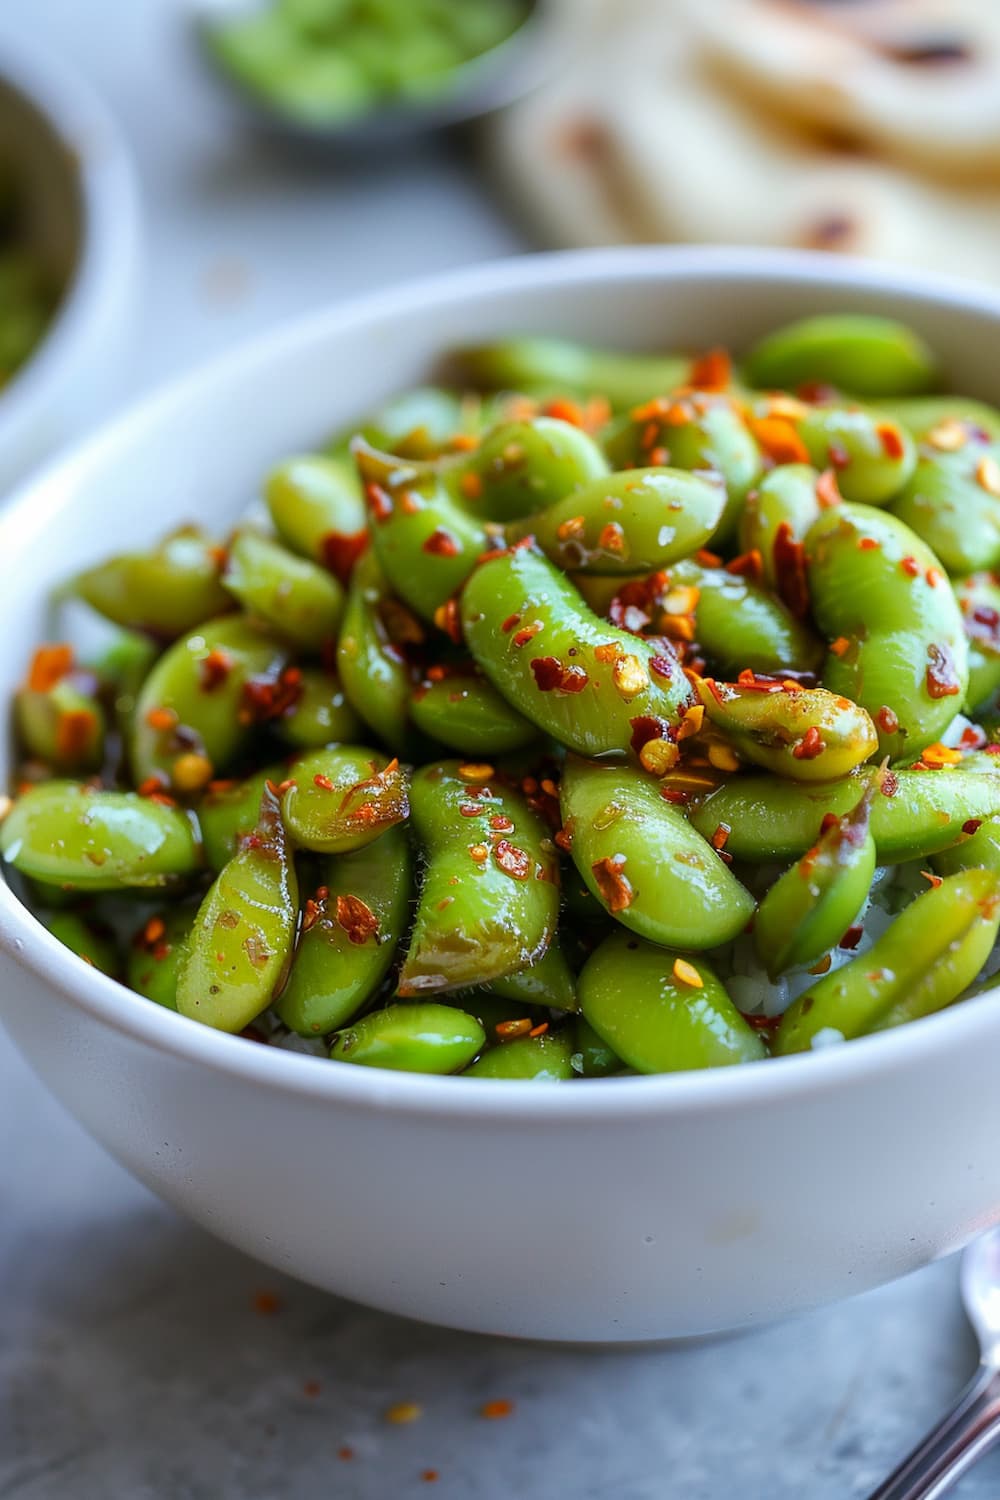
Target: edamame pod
932	951
524	364
316	506
549	983
947	417
299	599
544	1059
872	454
979	849
57	715
198	705
645	862
808	734
579	679
978	598
372	668
242	938
952	502
157	952
415	1038
661	1013
809	909
898	647
342	798
167	591
228	813
592	1057
462	709
96	946
489	900
350	931
914	814
520	468
776	516
634	521
320	714
738	624
856	352
67	834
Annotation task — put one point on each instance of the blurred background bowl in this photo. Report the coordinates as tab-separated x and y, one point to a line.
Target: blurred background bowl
79	204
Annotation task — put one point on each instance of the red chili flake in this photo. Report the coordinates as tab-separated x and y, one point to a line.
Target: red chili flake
711	371
358	920
851	938
972	737
323	782
341	550
790	571
942	676
379	502
564	410
646	727
345	1453
448	619
470	809
868	544
779	439
910	566
767	1024
563	838
540	1029
886	720
311	1388
972	825
214	669
932	880
500	823
811	744
889	784
828	490
891	439
933	576
509	623
162	719
479	853
662	666
659	457
516	863
552	676
838	455
708	559
612	884
674	794
649	436
471	485
526	633
429	1476
611	538
150	786
74	731
440	543
720	838
494	1410
748	565
311	913
49	665
607	651
266	1304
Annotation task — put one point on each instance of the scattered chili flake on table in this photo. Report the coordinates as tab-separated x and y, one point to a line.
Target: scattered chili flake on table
311	1388
266	1304
429	1476
345	1453
403	1413
494	1410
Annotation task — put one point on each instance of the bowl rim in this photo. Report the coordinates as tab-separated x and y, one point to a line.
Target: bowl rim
108	252
25	941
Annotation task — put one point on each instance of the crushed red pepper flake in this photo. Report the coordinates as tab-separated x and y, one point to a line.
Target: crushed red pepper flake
345	1453
942	675
162	719
74	731
323	782
851	938
910	566
868	544
266	1304
811	744
509	623
552	676
708	559
988	474
838	455
612	537
49	665
341	549
540	1029
779	439
790	571
214	669
749	565
614	887
517	863
932	880
563	838
891	439
495	1410
972	825
471	485
887	720
379	501
828	490
429	1476
686	973
888	784
565	410
440	543
526	633
448	619
840	646
711	371
357	919
720	837
479	853
311	1388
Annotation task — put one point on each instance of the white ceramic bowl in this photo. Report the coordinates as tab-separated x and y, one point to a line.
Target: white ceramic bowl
84	217
625	1209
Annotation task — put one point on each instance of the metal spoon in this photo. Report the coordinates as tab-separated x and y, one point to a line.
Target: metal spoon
973	1425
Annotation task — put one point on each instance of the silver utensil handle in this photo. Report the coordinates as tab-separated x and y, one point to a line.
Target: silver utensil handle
954	1445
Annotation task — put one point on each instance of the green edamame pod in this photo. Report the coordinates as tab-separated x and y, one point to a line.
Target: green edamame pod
661	1013
299	599
873	455
316	506
592	1057
425	543
121	668
462	709
951	415
489	900
634	521
978	598
579	679
809	909
932	951
695	432
494	1014
865	355
195	700
96	946
342	798
808	734
167	591
372	669
545	1058
320	714
916	813
979	849
952	502
520	468
228	813
62	724
740	625
777	512
242	938
899	649
425	419
645	862
549	983
523	364
156	953
67	834
349	936
414	1038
